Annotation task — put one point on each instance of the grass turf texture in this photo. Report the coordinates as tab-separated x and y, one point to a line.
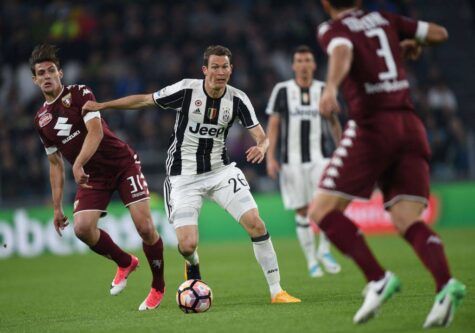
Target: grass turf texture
70	294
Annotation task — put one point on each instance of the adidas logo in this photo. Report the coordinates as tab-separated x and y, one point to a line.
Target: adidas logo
197	111
272	270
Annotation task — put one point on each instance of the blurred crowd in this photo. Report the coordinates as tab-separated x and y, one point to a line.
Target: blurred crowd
124	47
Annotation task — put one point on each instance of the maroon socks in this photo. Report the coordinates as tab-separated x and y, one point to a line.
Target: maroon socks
154	255
429	248
106	247
344	234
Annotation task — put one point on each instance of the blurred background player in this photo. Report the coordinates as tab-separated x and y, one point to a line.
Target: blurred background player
198	165
384	143
101	164
306	142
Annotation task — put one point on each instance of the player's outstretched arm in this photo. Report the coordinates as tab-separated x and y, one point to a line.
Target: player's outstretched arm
56	177
128	103
256	153
91	143
272	164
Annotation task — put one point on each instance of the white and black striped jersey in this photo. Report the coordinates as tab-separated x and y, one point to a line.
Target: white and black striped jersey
304	135
197	144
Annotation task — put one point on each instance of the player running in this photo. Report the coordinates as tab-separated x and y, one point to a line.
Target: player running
293	113
198	165
384	143
101	164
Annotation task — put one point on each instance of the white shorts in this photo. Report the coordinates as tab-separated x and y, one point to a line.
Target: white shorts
227	187
298	183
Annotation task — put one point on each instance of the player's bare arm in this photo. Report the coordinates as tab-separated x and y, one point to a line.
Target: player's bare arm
273	166
339	65
411	48
256	153
128	102
56	177
89	147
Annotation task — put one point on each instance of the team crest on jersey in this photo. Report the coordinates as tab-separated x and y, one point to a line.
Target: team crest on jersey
66	100
212	113
198	103
226	114
45	119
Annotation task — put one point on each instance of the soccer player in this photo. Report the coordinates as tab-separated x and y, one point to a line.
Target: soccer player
293	113
101	164
383	144
198	165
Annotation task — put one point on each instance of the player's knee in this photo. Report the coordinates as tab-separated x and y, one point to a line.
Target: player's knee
83	231
253	224
187	245
146	230
317	212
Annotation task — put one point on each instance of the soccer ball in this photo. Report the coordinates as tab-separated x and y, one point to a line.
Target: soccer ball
194	296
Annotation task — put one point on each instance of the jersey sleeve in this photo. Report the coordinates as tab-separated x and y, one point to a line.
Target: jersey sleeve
277	103
245	112
330	36
50	148
170	97
83	95
408	27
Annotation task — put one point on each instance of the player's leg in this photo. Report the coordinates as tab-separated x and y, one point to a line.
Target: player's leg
306	238
313	172
293	185
133	190
89	206
265	254
232	193
188	236
152	246
183	200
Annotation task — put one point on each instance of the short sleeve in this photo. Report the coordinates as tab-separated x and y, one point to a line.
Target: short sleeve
246	113
277	103
329	37
408	27
170	97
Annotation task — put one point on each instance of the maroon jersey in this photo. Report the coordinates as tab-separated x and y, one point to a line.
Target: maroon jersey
62	128
377	80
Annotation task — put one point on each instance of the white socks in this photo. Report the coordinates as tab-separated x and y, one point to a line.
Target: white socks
323	244
306	239
193	258
266	257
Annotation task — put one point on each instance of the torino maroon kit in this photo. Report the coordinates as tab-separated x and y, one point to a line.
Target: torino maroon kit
384	143
114	166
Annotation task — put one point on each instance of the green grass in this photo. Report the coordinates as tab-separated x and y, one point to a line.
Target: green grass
70	294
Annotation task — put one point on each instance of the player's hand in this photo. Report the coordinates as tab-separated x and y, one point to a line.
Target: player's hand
80	176
410	49
328	102
60	221
91	106
255	154
273	167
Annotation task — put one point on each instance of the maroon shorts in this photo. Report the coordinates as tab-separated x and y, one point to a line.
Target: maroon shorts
390	152
130	183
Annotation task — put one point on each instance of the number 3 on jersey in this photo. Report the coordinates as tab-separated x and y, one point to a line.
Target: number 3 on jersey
385	52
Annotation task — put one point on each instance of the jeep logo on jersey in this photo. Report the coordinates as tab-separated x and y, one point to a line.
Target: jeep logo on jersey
206	130
63	127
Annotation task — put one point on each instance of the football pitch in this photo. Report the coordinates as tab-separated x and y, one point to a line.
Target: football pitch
71	294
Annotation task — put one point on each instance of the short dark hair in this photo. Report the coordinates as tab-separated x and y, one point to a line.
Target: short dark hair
302	49
340	4
218	50
44	52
